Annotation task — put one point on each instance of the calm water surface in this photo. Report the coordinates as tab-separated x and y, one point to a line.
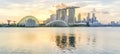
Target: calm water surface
79	40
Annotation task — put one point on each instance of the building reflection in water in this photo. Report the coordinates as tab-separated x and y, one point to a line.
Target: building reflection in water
94	41
72	40
64	42
91	41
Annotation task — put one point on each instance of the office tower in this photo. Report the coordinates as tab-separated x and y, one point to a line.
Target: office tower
8	22
79	18
53	17
94	17
64	14
58	14
71	15
88	17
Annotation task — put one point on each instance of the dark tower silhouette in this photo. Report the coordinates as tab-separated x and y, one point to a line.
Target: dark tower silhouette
79	18
8	22
14	22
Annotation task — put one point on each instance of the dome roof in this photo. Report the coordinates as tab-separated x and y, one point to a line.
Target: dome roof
57	23
31	20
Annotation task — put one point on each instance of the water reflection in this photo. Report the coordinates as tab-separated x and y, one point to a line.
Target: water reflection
91	40
72	40
59	41
64	42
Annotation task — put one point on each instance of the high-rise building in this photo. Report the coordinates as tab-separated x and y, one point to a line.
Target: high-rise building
58	14
88	17
8	22
94	17
84	20
79	18
64	14
71	16
53	17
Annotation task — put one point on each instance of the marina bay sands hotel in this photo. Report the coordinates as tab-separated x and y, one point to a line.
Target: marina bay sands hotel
66	14
66	17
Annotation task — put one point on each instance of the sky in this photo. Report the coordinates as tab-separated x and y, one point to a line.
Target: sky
106	10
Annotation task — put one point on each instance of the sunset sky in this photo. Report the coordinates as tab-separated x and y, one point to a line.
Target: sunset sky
106	10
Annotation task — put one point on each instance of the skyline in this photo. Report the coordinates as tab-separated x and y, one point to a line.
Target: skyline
42	9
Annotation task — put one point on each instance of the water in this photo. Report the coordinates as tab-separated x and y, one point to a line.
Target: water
75	40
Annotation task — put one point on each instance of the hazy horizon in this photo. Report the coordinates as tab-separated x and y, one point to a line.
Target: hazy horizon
15	10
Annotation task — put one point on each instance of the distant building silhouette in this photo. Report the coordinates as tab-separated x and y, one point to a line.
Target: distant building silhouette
9	21
79	18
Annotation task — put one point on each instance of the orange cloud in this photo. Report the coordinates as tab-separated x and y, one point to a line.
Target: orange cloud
51	11
62	5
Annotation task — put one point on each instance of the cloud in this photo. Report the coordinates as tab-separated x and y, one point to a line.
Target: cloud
61	5
21	8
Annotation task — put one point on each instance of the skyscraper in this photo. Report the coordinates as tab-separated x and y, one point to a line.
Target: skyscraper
64	14
88	17
61	14
58	14
53	17
9	21
93	17
71	15
79	18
